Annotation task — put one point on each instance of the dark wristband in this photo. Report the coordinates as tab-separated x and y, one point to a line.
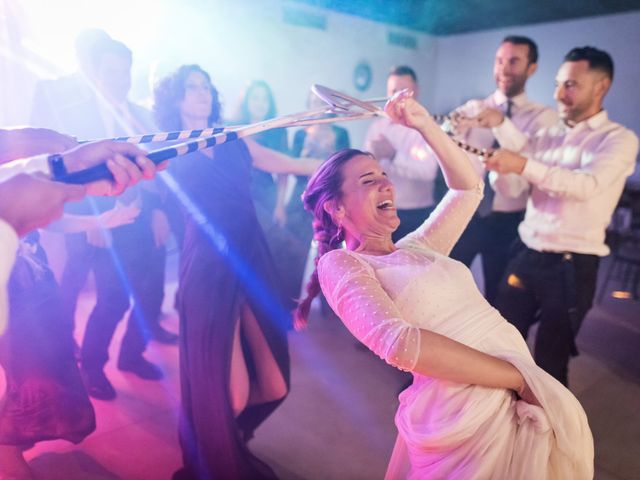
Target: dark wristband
56	166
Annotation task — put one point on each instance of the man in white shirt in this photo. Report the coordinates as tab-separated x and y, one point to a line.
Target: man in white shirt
575	172
493	229
406	158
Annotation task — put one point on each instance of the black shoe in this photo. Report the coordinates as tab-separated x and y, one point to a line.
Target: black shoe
98	385
142	368
162	335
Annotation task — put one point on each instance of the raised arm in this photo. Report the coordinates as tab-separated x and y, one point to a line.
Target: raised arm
458	172
442	230
355	294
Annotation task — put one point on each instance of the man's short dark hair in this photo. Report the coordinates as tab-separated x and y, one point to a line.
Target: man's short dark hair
521	40
404	70
106	46
597	59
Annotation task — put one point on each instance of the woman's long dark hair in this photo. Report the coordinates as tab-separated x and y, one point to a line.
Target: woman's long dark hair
169	92
325	185
245	114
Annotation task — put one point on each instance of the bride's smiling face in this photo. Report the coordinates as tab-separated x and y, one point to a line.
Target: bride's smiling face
367	206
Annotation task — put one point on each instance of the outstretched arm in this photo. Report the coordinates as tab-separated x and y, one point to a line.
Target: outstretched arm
613	159
276	162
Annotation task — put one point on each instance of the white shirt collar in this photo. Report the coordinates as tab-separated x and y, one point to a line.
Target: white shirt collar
500	99
593	122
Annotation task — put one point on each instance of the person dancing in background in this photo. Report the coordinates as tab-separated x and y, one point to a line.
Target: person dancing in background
406	158
258	104
479	407
314	141
234	361
127	261
493	229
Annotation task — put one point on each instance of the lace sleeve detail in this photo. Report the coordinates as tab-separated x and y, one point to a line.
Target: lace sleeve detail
355	294
445	225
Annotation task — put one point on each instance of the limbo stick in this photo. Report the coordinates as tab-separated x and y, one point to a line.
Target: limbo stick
340	107
100	172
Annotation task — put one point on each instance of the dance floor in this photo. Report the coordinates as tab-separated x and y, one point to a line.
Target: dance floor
337	422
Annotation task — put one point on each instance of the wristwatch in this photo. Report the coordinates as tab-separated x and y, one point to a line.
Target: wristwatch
56	166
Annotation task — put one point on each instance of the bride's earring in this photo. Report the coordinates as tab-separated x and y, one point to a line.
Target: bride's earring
339	236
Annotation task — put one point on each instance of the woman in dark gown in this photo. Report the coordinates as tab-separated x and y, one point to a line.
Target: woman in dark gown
234	362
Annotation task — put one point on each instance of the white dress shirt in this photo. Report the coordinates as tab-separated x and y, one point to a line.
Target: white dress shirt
576	176
414	167
36	164
8	249
527	116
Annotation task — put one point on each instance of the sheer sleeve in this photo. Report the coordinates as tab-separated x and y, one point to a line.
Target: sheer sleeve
355	294
445	225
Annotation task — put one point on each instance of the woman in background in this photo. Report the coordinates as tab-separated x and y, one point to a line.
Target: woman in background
268	190
258	104
315	141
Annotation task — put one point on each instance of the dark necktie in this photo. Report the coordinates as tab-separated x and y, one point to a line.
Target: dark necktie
486	205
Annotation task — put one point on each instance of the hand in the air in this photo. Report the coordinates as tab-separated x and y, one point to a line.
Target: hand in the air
402	108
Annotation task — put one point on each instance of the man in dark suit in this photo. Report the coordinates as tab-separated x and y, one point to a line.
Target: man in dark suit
128	261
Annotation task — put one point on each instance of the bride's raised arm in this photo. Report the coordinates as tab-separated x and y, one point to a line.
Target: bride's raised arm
445	225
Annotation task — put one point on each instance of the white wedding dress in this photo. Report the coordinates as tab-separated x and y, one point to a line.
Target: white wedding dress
449	430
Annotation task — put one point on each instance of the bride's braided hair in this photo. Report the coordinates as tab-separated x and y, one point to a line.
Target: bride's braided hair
324	185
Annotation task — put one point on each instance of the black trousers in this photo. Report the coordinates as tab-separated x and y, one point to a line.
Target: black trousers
410	220
119	276
556	289
493	237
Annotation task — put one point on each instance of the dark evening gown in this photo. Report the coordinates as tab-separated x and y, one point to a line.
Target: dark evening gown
225	264
45	397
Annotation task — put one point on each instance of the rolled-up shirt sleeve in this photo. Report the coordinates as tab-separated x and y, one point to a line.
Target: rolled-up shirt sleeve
37	164
8	248
352	289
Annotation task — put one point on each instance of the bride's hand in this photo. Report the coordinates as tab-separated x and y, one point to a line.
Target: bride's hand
405	110
527	395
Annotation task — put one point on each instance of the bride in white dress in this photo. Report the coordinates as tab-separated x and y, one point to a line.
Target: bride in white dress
479	407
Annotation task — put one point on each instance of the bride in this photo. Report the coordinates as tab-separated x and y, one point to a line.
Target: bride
479	407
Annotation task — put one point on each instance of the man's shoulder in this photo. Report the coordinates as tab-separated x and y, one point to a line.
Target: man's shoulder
615	130
144	116
474	106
